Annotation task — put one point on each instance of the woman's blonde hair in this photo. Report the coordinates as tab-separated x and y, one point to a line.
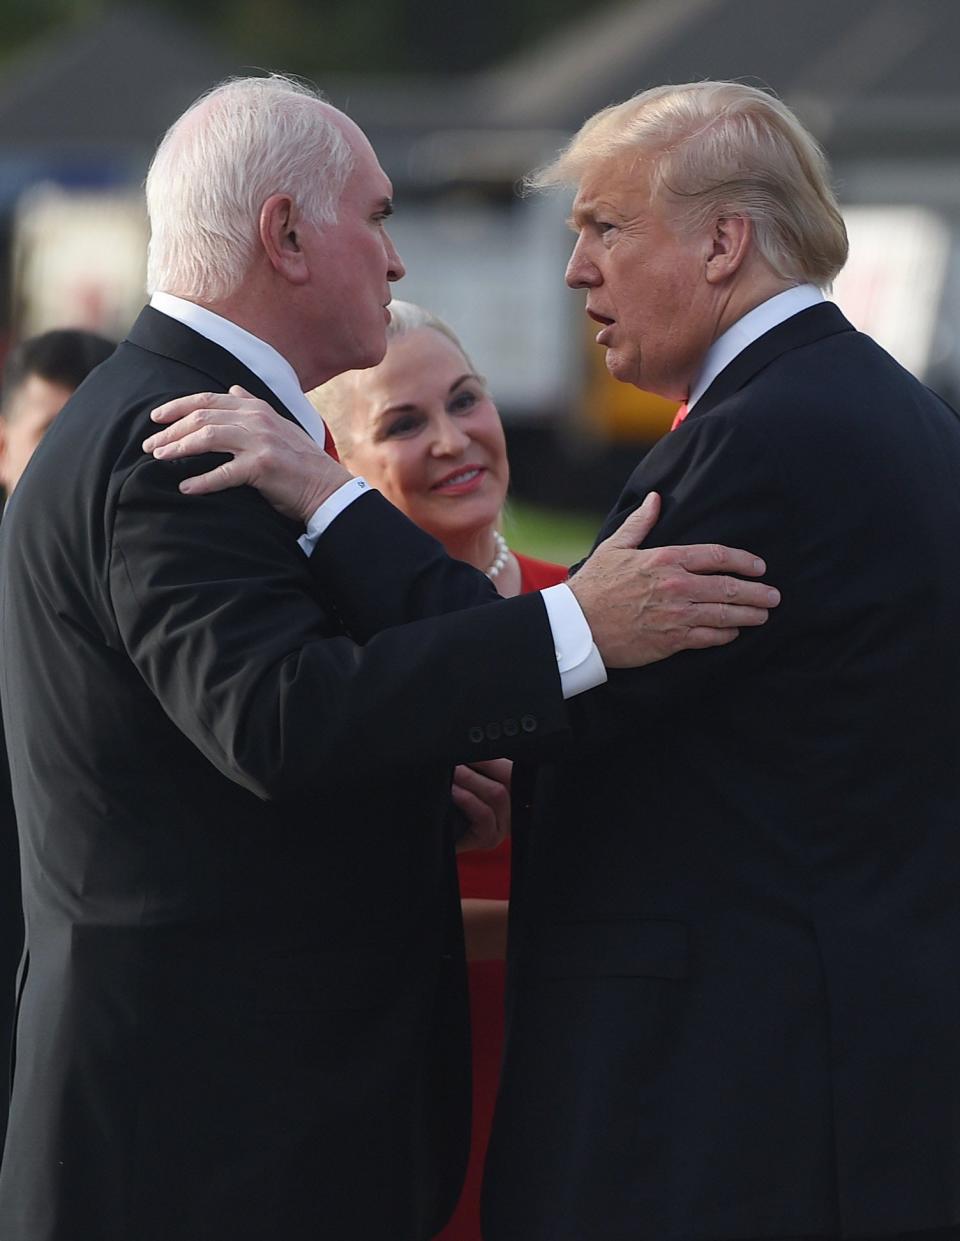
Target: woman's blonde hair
717	149
334	400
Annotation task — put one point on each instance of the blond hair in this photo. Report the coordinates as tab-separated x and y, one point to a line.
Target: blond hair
716	149
335	399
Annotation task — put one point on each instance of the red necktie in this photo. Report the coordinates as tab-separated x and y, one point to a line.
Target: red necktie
329	447
679	416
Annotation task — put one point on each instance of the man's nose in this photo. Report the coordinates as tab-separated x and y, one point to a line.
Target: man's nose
395	267
581	271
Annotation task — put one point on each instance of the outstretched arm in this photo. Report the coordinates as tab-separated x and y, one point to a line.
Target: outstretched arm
641	606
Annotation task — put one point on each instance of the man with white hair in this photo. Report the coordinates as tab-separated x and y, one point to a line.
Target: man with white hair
242	1013
735	933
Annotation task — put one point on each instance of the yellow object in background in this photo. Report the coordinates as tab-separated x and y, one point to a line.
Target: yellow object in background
619	411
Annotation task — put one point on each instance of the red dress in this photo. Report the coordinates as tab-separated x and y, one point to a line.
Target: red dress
485	874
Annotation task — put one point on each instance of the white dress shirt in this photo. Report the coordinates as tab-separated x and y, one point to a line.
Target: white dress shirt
750	328
578	659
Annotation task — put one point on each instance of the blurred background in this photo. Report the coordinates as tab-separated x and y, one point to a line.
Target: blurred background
460	101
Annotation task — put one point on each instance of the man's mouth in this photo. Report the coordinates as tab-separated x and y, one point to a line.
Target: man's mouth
598	318
603	336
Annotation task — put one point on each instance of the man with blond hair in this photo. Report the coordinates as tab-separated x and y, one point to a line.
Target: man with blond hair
242	1011
735	936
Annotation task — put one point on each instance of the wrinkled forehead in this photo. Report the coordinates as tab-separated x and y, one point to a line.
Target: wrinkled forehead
621	182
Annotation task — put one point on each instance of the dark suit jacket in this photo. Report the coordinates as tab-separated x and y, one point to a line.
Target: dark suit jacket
11	924
736	939
243	1014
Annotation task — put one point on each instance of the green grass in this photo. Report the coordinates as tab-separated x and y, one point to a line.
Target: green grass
549	534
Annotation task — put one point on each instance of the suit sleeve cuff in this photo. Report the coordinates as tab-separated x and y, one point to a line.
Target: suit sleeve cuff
578	660
329	510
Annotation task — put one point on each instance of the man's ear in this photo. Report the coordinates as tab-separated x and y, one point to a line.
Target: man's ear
280	238
731	242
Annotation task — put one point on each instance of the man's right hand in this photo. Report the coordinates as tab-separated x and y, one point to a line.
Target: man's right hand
645	605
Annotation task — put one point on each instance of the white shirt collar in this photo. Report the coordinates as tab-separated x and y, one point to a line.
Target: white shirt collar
255	354
750	328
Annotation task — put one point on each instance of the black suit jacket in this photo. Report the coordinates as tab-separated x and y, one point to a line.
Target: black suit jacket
736	937
243	1014
11	925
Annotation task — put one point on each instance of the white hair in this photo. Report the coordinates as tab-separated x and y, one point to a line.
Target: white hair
335	399
718	149
240	143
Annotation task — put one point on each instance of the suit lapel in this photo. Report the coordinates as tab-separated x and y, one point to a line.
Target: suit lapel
810	325
804	328
168	338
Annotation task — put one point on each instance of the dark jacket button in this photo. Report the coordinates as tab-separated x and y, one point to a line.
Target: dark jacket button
510	728
493	731
529	723
477	734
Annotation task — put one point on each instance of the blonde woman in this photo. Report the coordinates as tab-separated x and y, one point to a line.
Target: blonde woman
423	428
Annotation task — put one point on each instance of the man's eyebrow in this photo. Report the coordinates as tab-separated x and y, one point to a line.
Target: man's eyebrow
580	214
590	212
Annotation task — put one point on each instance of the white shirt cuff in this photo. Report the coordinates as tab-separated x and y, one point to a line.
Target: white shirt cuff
578	659
331	508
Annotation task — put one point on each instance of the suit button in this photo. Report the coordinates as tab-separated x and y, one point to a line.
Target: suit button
529	723
477	734
493	731
510	728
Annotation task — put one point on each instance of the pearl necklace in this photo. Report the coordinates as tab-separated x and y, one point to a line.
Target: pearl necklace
499	561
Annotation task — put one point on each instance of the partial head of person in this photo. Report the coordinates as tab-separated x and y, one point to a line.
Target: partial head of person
39	377
268	205
422	427
694	204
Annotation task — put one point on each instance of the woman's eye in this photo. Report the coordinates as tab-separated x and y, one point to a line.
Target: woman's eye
405	425
463	401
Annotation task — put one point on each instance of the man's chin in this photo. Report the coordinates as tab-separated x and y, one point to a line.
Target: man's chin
624	370
371	354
